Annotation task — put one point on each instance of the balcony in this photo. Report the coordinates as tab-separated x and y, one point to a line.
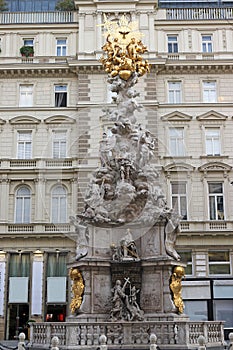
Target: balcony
197	56
38	17
210	226
35	228
38	163
194	14
193	227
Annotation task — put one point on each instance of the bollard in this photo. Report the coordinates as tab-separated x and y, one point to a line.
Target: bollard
103	341
201	342
55	342
153	340
21	343
231	341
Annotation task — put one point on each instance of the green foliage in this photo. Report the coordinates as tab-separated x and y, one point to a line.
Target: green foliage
65	5
3	6
27	51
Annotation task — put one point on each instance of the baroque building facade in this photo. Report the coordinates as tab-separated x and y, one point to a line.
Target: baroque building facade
51	121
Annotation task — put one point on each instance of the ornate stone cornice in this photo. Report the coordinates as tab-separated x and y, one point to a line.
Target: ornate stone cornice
59	119
178	168
75	66
24	120
177	116
215	167
212	116
185	66
32	70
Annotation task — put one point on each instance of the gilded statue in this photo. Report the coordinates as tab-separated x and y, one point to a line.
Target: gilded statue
77	289
176	287
124	50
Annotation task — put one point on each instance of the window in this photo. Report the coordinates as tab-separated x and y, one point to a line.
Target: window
196	310
179	198
56	265
207	43
219	263
28	42
209	91
176	139
19	265
186	257
172	41
56	287
223	311
174	92
25	95
216	208
24	145
31	6
61	47
59	144
59	204
212	141
23	205
60	95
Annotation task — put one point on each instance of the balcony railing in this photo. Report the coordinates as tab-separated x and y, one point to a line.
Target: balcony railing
184	56
200	227
36	228
23	163
58	163
38	17
203	226
39	163
199	14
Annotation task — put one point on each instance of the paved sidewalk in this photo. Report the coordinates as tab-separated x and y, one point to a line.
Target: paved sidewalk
11	344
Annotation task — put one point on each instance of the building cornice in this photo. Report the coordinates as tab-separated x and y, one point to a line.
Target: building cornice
34	70
158	66
193	66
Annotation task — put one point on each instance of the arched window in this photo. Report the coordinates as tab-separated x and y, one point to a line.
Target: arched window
23	205
59	204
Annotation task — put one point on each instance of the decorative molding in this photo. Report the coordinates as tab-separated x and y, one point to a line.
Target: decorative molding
2	122
24	120
215	167
177	116
59	119
34	71
178	168
212	115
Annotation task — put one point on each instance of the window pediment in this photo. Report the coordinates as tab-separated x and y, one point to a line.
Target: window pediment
179	167
177	116
212	116
215	167
59	119
25	120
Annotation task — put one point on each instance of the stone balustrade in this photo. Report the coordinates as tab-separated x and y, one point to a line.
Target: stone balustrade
170	333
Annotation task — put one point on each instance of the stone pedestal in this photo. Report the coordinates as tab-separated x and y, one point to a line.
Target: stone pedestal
150	273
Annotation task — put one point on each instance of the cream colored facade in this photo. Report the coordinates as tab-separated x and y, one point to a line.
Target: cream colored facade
187	100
